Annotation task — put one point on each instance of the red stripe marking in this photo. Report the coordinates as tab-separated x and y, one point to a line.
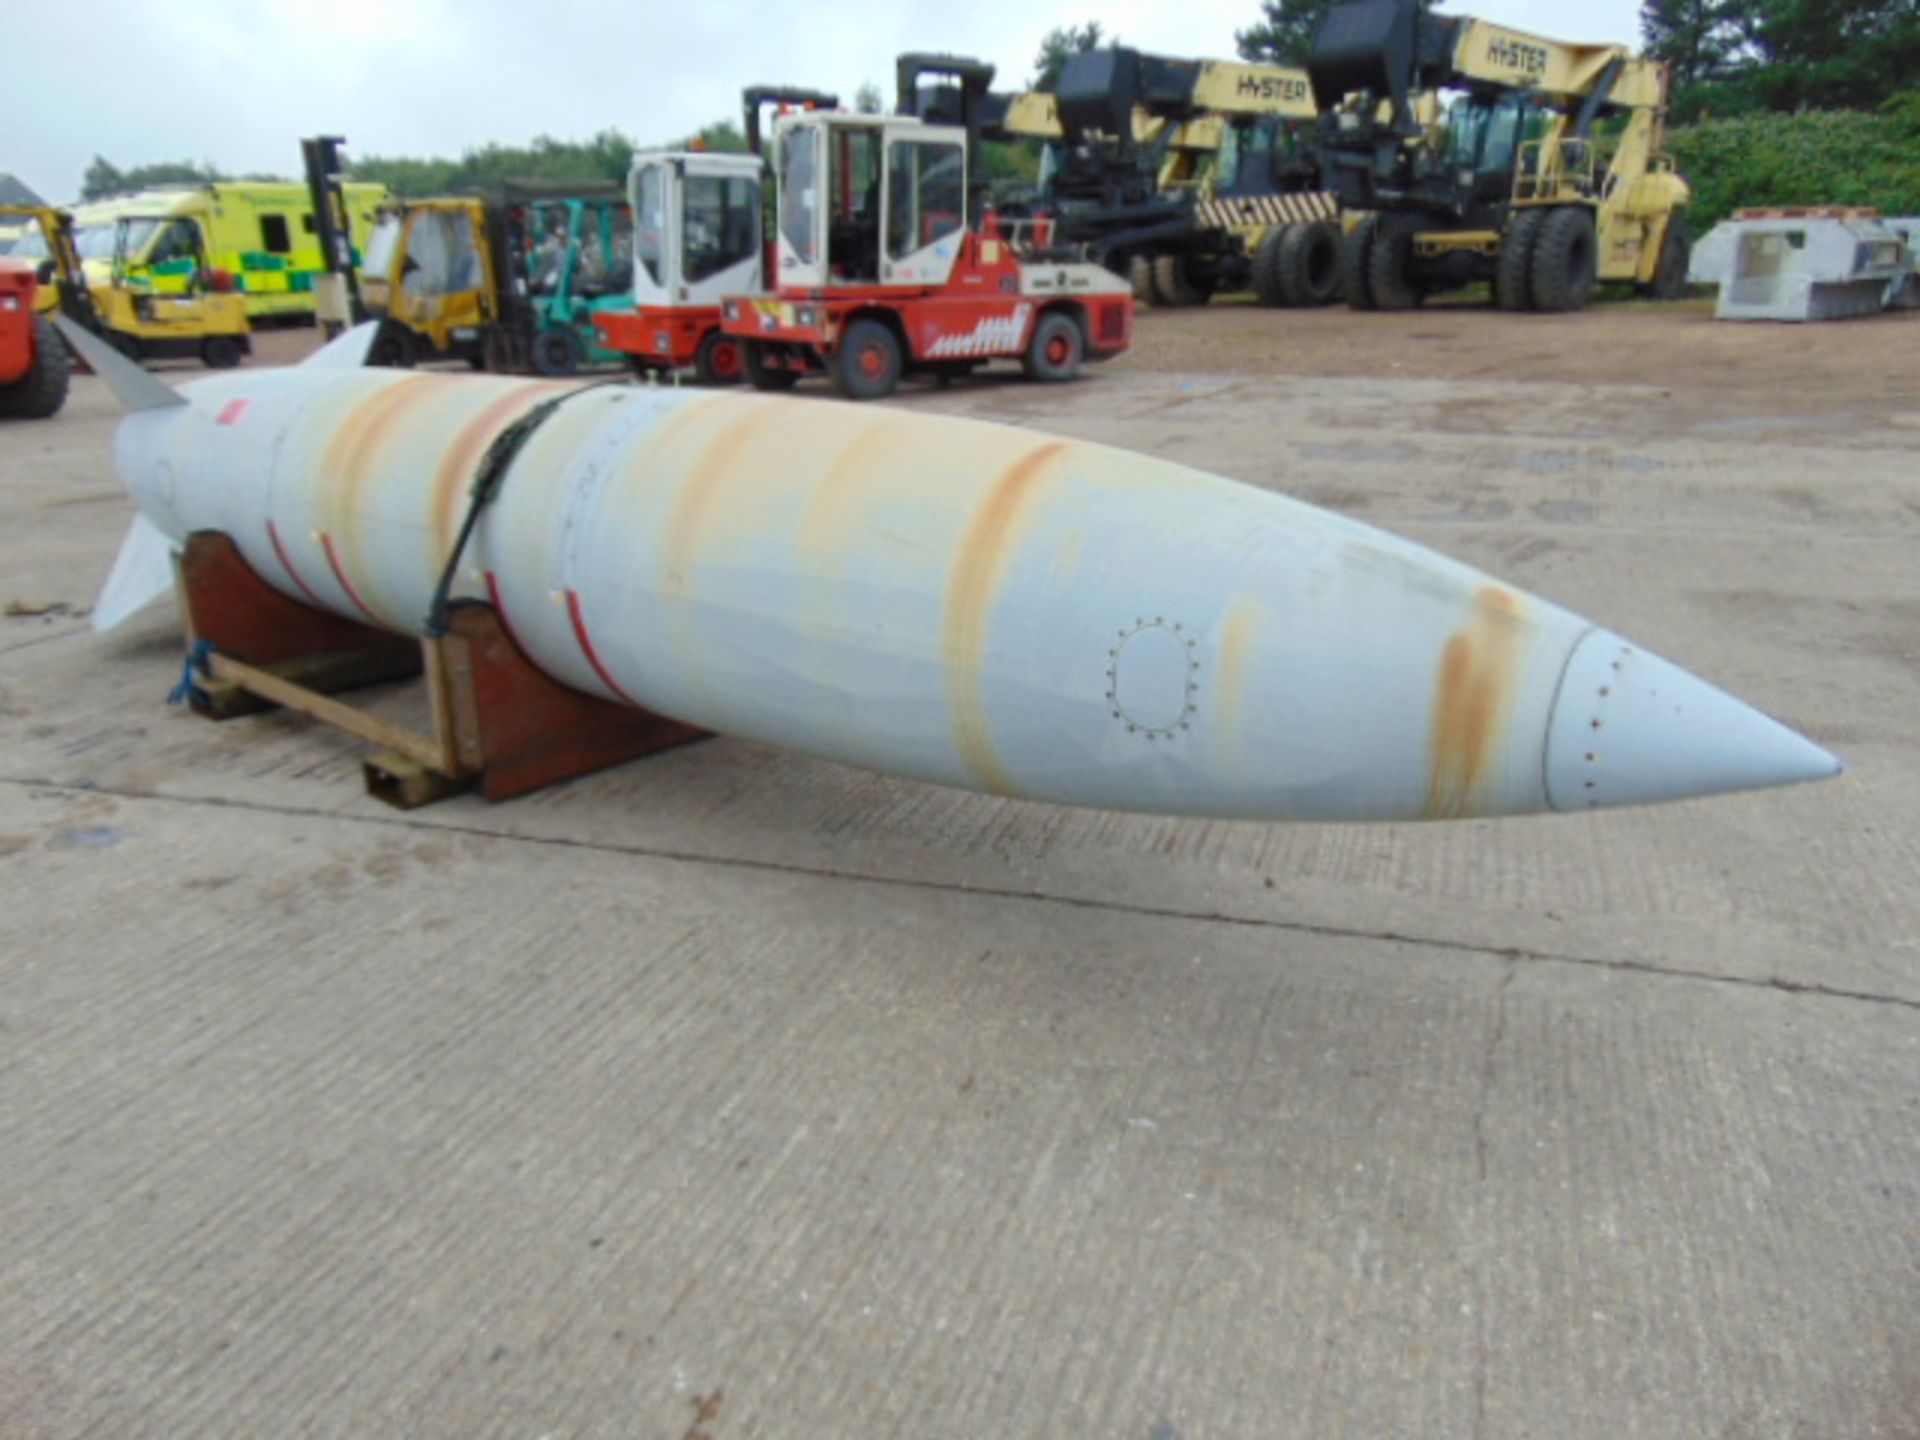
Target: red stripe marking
500	609
333	559
232	412
286	560
586	649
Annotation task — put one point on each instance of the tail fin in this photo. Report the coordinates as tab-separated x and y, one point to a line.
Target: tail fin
142	573
347	351
132	387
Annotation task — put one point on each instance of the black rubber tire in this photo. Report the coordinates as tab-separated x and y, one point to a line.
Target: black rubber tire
1055	349
40	392
1140	277
868	363
720	360
1355	264
760	375
1513	267
1268	288
393	347
1566	260
555	354
1309	263
1172	284
1390	264
1670	272
127	345
221	352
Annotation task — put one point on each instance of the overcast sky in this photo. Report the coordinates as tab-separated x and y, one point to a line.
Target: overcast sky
239	84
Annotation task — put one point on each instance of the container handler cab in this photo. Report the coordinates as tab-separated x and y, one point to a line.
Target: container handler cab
33	363
697	237
508	278
204	317
881	268
1547	175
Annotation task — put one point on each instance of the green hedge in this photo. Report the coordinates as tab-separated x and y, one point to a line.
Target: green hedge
1815	157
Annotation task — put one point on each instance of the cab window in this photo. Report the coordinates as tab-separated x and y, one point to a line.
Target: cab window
927	201
650	222
441	257
800	193
722	223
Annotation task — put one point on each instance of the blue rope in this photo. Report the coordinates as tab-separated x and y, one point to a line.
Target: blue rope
199	659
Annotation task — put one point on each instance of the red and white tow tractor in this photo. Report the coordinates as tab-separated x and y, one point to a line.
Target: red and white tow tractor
878	273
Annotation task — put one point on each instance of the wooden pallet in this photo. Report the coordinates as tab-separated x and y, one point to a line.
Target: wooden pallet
498	725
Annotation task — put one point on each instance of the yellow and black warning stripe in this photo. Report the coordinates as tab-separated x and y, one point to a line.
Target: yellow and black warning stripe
1226	212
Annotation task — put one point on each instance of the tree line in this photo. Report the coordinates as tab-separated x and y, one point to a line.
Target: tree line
1732	59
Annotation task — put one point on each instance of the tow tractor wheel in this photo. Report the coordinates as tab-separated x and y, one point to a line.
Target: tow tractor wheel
1566	259
1390	264
1355	254
1055	350
760	375
867	364
556	353
719	360
1513	269
43	389
127	345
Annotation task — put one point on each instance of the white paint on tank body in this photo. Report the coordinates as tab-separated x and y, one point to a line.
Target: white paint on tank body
935	598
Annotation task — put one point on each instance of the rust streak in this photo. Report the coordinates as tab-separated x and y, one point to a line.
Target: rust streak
664	432
347	465
856	476
454	475
979	568
1236	641
1473	696
348	461
697	508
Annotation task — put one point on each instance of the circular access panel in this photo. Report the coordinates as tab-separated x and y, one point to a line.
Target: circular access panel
1150	678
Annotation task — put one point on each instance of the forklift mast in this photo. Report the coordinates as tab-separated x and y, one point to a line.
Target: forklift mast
325	168
755	99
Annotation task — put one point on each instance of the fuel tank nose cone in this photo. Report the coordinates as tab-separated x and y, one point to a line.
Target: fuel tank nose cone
1629	728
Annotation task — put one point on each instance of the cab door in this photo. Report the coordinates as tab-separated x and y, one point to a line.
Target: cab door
652	192
800	247
924	201
716	240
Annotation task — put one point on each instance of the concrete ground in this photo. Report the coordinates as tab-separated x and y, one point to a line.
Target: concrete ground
735	1094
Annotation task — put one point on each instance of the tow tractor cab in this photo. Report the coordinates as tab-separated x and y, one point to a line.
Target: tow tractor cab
696	239
509	279
878	272
202	314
